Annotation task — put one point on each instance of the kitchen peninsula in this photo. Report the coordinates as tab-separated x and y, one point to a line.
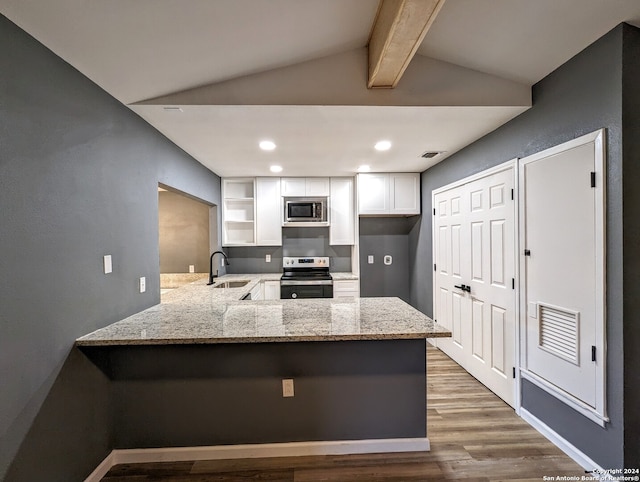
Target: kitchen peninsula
204	368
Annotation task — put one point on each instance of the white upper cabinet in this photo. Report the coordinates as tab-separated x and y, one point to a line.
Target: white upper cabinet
342	228
404	193
238	212
305	186
389	194
268	212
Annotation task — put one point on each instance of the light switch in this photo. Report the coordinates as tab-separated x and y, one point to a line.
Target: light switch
370	259
388	259
106	261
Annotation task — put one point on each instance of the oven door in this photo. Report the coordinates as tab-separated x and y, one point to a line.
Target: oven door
306	289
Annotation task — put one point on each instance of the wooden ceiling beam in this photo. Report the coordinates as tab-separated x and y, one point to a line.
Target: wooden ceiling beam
397	32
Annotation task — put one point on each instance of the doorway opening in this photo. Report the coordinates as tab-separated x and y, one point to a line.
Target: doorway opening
186	236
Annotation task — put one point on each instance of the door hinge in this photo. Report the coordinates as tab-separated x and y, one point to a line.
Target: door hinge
434	211
513	283
434	267
527	252
514	372
593	353
593	179
512	194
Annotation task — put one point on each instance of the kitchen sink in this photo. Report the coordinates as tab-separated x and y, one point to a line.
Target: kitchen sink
232	284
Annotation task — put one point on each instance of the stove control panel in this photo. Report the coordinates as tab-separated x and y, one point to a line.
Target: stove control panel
307	262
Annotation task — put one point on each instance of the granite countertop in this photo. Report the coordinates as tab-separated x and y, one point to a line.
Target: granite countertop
199	314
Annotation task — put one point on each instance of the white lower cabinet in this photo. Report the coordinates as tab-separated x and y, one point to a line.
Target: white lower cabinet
256	292
346	289
271	290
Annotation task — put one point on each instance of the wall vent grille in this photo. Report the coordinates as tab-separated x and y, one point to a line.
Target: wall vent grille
559	332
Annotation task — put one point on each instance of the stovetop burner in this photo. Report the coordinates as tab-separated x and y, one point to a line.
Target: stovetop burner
307	268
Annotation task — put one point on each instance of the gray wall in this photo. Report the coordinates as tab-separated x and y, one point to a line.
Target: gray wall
232	394
183	233
631	216
380	237
296	241
583	95
79	175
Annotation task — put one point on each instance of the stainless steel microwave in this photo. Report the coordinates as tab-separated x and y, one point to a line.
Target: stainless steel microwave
304	211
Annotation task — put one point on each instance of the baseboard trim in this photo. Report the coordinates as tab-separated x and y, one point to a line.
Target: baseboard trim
563	444
288	449
101	470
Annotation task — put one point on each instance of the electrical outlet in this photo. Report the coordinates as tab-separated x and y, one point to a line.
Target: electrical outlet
108	266
143	284
192	268
370	259
267	258
287	387
388	259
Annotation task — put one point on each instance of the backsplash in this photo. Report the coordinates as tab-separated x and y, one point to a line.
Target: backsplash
299	241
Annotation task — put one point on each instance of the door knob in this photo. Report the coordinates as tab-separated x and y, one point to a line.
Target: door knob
463	288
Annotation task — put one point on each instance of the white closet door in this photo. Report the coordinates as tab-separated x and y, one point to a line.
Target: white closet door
474	244
560	235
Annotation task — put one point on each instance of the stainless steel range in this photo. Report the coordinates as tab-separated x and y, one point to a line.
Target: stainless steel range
306	278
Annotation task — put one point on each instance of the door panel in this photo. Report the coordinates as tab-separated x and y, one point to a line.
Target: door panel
560	272
475	247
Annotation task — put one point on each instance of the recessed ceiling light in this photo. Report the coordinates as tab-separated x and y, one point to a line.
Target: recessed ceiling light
267	145
383	145
364	168
275	168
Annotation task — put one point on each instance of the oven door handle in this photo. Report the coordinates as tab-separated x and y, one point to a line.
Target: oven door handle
306	282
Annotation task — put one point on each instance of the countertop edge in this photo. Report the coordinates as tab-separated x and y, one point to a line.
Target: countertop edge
266	339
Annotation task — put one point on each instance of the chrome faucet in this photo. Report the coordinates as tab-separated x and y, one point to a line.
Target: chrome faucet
211	275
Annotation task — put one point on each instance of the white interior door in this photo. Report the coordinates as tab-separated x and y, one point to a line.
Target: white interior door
474	297
563	270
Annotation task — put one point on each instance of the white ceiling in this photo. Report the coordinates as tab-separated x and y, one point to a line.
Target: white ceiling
138	50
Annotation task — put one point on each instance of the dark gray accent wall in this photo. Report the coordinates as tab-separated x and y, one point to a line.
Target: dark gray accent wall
386	236
581	96
232	394
79	176
183	233
296	241
631	223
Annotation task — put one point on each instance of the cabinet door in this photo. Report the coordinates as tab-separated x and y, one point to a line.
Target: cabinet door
342	219
346	289
373	194
317	186
404	193
268	212
293	186
272	290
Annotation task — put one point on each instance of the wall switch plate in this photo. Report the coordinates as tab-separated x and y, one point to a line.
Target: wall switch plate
192	268
388	259
287	387
370	259
106	262
267	258
143	284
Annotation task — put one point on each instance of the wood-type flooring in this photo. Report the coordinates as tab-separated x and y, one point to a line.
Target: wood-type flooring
474	436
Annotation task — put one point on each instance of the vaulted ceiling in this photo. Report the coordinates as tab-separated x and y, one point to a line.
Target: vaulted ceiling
218	76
